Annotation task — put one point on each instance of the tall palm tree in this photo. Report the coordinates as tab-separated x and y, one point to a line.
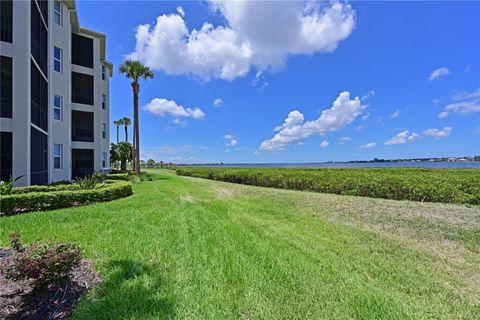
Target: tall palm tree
126	122
118	123
135	70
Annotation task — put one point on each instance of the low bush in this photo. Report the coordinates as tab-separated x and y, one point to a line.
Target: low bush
44	264
63	196
118	176
6	187
46	188
91	181
115	171
416	184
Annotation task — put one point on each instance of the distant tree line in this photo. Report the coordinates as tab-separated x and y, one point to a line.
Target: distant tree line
150	163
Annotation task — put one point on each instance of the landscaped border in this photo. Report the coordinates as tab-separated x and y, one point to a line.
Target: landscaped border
37	198
415	184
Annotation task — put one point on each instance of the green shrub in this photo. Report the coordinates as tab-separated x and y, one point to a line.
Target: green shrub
118	176
6	187
55	199
89	182
114	171
416	184
44	264
46	188
99	176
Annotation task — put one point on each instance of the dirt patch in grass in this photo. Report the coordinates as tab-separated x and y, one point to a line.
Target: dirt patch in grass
188	198
224	192
19	301
406	219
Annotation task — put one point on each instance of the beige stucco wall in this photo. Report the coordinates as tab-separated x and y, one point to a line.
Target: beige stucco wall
60	131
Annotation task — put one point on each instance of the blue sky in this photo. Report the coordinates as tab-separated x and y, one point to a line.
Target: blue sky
414	67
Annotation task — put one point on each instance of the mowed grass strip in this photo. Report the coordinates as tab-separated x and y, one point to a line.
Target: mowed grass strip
416	184
198	249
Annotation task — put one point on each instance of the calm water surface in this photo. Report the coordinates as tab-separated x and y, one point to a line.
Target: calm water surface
466	164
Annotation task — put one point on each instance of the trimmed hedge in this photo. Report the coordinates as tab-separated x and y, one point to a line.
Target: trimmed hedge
416	184
37	198
118	176
64	186
46	188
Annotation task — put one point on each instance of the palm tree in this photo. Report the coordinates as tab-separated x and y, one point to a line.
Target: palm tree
123	153
135	70
118	123
150	163
126	122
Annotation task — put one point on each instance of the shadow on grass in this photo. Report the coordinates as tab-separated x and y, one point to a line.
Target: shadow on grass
132	290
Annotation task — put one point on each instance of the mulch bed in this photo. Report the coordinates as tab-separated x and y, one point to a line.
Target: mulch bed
19	301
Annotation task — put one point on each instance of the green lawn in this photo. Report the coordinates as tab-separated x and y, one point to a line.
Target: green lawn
199	249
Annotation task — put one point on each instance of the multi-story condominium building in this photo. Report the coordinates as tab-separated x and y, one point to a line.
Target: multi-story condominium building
54	109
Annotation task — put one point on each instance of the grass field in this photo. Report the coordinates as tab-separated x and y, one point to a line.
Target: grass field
189	248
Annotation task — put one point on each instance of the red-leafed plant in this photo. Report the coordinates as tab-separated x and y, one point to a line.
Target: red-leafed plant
44	264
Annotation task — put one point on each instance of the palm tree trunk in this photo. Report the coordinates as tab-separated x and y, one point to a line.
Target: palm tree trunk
126	134
117	134
136	89
133	151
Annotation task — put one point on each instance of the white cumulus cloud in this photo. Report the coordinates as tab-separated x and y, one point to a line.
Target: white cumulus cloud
368	145
180	122
162	107
258	34
293	119
395	114
464	107
402	138
232	141
443	114
464	95
181	11
344	140
438	73
343	112
217	103
463	103
438	133
324	144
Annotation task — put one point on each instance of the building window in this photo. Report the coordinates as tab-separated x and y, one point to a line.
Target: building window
38	157
6	156
104	130
82	163
43	4
57	12
57	156
82	88
82	51
57	59
39	38
104	101
82	126
57	107
6	21
103	72
6	87
104	159
38	98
